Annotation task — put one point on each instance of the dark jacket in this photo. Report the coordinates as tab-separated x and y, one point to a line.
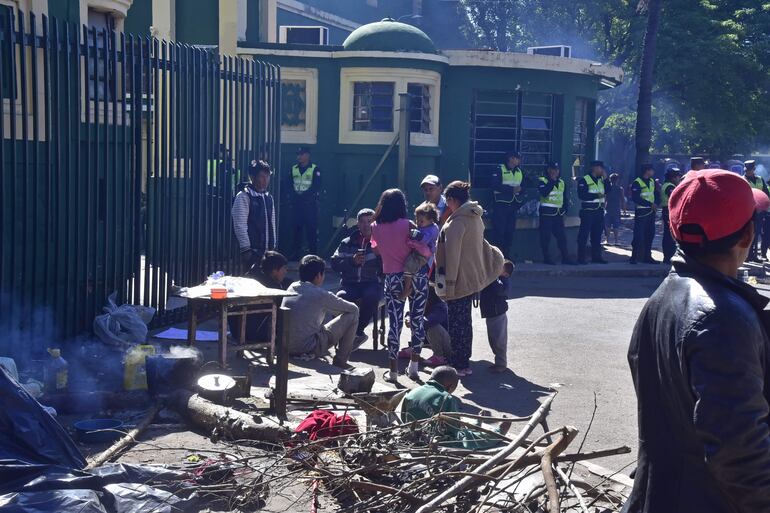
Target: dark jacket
699	361
493	300
342	260
253	216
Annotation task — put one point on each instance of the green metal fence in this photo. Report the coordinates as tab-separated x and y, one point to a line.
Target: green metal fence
120	158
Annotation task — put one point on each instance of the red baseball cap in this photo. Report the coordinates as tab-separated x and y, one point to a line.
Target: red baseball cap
718	201
761	199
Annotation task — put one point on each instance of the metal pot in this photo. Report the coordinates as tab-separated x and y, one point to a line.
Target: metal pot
166	373
217	388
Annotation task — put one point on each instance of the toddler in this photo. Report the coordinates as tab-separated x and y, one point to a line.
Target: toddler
493	301
422	240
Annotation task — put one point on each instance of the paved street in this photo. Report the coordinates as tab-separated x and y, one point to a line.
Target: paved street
570	333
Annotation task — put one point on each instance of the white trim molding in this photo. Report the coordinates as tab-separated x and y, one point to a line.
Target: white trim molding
373	54
401	77
313	13
310	134
610	76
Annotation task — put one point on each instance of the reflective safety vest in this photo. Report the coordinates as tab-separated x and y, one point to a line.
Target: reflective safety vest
756	183
512	178
595	186
302	180
648	189
665	193
555	198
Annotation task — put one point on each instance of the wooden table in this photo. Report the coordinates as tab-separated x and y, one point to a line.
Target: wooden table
235	306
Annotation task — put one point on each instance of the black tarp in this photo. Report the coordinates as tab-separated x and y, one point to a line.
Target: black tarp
41	469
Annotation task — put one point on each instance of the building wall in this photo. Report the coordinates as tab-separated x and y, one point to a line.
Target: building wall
139	18
197	22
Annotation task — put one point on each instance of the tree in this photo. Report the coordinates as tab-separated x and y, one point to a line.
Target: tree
646	83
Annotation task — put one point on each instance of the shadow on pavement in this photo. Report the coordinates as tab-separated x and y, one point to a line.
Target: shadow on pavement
506	392
583	287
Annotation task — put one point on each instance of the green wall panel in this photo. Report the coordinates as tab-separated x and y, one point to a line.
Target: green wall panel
139	18
197	22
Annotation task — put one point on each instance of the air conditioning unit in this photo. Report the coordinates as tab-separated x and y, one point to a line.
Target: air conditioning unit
554	51
303	35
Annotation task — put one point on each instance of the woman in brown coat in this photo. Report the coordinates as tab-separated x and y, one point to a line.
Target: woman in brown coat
465	264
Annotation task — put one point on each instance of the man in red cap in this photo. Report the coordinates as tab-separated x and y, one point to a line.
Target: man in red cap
700	358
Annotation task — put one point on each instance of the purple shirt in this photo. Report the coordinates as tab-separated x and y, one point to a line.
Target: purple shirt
390	240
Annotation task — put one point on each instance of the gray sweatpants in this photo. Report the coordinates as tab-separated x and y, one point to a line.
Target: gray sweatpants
497	333
340	332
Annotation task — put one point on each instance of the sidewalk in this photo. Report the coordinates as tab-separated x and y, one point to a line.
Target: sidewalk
617	256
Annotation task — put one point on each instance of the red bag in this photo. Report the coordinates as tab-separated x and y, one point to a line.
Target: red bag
324	423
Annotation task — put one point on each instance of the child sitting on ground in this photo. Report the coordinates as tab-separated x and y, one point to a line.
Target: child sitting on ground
493	301
422	240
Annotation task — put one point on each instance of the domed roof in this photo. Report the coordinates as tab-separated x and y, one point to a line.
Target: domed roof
389	35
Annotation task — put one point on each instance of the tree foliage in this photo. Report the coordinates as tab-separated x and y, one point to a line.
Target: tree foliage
712	70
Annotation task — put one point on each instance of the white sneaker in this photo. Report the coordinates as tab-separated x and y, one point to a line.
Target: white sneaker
391	376
413	370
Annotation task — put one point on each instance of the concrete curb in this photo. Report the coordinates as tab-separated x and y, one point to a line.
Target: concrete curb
593	271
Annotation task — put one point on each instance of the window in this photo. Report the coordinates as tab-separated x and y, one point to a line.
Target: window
100	75
369	99
510	121
373	106
299	105
419	115
579	136
536	124
6	17
293	105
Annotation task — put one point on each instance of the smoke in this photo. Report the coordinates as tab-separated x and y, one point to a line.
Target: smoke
26	331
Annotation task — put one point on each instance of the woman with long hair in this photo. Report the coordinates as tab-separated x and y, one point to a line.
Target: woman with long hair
390	233
465	264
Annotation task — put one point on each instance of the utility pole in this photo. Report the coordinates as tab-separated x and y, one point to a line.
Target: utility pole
403	138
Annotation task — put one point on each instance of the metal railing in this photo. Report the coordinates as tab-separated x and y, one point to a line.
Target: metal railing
120	159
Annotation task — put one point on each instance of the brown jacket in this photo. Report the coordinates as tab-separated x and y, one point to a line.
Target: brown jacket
465	262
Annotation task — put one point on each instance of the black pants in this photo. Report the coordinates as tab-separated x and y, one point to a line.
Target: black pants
305	218
591	223
504	225
669	244
553	225
367	295
765	228
644	232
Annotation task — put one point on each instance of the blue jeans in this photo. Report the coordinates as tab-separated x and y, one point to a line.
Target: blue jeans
394	285
367	296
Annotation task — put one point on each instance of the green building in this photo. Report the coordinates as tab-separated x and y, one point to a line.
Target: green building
340	95
468	108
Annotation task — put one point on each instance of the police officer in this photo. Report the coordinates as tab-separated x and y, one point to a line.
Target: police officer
760	219
304	188
697	163
646	196
673	177
507	201
591	192
553	206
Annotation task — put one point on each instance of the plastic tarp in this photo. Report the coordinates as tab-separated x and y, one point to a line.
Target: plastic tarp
41	469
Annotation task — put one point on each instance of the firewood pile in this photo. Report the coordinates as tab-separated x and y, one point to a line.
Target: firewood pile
413	468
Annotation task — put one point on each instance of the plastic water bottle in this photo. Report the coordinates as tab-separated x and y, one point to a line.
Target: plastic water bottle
745	276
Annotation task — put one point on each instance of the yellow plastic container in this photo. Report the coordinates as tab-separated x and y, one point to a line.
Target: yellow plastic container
135	370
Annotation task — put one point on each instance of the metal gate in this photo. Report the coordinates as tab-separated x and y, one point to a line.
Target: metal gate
120	158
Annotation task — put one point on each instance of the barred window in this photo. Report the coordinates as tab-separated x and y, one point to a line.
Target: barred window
579	136
373	106
293	105
419	115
